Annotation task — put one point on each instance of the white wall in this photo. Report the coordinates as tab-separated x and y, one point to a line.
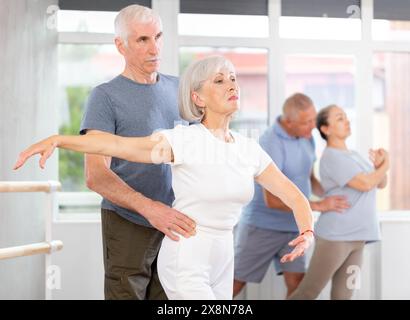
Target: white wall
82	265
28	69
80	261
395	262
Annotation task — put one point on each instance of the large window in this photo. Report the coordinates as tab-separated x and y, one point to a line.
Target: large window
391	30
85	21
391	20
215	18
221	25
320	19
391	116
326	80
320	28
251	69
81	67
322	48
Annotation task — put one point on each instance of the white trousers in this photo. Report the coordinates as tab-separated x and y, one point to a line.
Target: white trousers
198	268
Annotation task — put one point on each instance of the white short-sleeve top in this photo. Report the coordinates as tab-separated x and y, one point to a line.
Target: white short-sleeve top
212	179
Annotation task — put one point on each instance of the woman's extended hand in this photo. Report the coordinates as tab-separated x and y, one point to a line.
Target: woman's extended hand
45	148
301	244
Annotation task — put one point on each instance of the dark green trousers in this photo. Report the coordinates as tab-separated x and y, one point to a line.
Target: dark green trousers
130	259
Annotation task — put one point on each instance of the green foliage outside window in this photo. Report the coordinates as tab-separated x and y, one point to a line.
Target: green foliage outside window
71	164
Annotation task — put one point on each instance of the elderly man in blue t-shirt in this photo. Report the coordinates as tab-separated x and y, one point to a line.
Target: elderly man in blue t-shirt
267	226
136	211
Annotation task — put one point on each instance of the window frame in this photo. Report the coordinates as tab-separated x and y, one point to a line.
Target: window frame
278	49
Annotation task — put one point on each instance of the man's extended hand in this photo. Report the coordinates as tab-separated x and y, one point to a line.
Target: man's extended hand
333	203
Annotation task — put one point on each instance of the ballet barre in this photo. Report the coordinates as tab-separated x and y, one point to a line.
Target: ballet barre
50	188
31	249
29	186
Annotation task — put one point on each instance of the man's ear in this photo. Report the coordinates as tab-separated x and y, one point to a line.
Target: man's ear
119	43
196	98
287	122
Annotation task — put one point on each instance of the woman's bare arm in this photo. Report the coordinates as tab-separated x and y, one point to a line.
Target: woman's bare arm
150	149
274	181
367	181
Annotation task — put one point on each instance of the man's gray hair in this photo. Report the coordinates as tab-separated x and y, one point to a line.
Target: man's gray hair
193	80
131	14
295	103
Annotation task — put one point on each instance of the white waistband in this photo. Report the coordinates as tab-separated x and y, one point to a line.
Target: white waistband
214	231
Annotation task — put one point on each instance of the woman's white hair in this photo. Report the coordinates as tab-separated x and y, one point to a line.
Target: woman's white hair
193	79
133	14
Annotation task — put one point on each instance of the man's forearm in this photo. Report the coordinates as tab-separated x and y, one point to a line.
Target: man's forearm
112	188
317	188
315	205
274	202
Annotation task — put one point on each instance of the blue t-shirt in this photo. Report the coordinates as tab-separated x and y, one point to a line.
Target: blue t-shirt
295	158
359	222
130	109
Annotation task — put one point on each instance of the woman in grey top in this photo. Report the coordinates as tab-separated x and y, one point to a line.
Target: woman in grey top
340	237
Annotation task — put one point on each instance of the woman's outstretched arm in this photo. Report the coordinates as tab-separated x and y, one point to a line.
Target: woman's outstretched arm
273	180
150	149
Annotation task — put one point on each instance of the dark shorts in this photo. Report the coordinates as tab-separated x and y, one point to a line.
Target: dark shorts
256	248
130	259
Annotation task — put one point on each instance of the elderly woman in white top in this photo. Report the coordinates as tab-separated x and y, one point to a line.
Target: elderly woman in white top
213	172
